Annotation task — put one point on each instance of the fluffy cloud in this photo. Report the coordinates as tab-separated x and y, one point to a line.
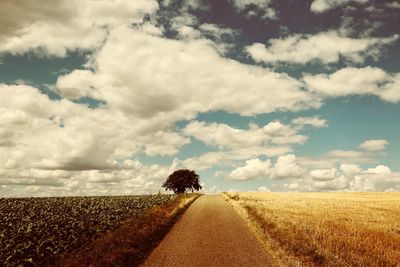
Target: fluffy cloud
348	160
380	169
374	145
346	154
55	27
393	4
147	82
226	137
356	81
206	160
261	8
223	38
318	174
156	79
217	31
391	90
326	47
316	122
337	156
77	84
350	177
339	183
319	6
287	167
165	143
155	95
129	177
184	25
350	169
254	168
232	157
380	178
264	189
271	140
45	139
323	174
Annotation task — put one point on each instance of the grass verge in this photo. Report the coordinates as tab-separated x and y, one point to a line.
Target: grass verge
273	251
130	244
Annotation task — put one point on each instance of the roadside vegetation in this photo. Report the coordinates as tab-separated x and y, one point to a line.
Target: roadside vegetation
131	244
79	231
325	229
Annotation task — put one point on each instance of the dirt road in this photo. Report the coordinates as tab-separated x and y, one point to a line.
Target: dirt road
210	234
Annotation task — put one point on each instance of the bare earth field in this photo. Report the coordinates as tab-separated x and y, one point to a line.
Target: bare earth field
325	229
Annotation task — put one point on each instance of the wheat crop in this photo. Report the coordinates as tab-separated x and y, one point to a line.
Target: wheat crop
325	229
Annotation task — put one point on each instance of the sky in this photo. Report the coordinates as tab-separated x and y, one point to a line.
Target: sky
108	97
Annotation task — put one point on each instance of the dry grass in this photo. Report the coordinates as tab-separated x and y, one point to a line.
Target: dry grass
325	229
130	244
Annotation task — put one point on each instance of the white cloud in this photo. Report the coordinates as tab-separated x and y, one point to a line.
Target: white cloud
212	190
263	6
223	38
182	25
147	84
350	156
165	143
345	153
135	83
41	133
54	27
393	4
254	168
348	160
205	161
287	167
356	81
217	31
380	178
374	145
264	189
315	121
133	178
350	178
273	139
319	6
323	174
380	169
350	169
225	137
339	183
193	5
232	157
327	47
77	84
391	90
275	128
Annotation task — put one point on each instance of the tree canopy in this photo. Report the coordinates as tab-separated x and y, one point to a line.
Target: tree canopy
181	180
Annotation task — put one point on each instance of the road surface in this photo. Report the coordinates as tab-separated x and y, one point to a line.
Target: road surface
210	234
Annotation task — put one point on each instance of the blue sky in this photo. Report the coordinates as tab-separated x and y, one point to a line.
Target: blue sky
109	97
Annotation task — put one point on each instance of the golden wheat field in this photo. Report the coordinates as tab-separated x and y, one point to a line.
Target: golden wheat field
325	229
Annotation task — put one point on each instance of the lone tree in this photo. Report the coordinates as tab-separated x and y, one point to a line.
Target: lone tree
181	180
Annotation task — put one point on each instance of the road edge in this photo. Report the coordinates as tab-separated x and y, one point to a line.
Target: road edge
133	242
255	230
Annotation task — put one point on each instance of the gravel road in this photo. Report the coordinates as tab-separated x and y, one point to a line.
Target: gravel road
210	233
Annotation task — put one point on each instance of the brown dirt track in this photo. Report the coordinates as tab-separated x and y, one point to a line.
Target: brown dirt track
210	233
